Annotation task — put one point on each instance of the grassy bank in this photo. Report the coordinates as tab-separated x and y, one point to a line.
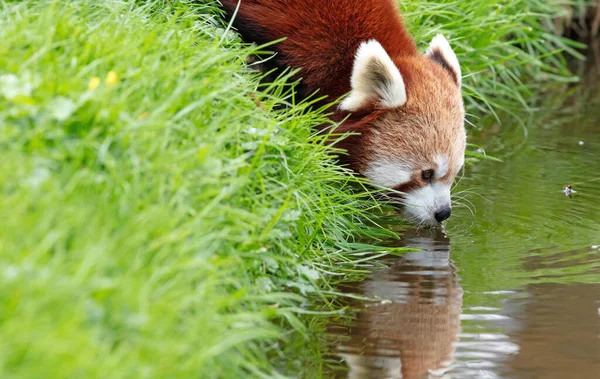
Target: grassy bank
159	218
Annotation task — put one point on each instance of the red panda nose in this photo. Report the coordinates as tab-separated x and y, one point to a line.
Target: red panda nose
443	213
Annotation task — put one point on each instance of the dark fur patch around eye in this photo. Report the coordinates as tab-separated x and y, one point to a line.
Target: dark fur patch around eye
437	56
409	186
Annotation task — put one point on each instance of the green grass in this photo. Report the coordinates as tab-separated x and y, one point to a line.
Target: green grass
157	222
507	49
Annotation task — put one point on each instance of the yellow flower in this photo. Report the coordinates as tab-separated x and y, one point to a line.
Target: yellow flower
111	78
94	83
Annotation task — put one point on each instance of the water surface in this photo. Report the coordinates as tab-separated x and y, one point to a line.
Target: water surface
510	292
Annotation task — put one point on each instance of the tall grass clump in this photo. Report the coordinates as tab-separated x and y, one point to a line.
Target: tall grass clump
160	216
159	219
507	49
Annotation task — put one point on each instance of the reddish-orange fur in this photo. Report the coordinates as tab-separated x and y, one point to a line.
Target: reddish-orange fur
322	36
322	39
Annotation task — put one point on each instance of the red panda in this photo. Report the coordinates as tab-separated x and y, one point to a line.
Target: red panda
404	108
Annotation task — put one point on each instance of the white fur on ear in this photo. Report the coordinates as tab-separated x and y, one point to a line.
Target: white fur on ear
440	51
374	78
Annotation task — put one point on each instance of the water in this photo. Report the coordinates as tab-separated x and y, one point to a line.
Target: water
512	292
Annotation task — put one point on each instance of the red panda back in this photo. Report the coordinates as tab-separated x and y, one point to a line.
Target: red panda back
322	36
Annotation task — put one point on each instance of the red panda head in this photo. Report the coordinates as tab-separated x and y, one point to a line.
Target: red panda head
409	118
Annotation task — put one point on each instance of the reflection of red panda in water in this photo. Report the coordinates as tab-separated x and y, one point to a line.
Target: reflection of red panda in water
406	107
413	332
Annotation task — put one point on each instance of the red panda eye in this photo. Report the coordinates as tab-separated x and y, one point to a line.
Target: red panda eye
427	175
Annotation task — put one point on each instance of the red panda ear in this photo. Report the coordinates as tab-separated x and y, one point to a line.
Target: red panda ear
375	79
440	52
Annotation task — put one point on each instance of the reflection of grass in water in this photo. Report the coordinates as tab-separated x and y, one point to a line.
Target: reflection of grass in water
586	181
529	219
156	221
563	267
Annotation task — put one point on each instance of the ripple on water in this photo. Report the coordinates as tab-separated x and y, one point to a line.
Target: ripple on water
520	294
425	327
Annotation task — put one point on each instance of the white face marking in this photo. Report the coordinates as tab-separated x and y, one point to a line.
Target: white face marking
461	161
388	174
442	166
422	204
